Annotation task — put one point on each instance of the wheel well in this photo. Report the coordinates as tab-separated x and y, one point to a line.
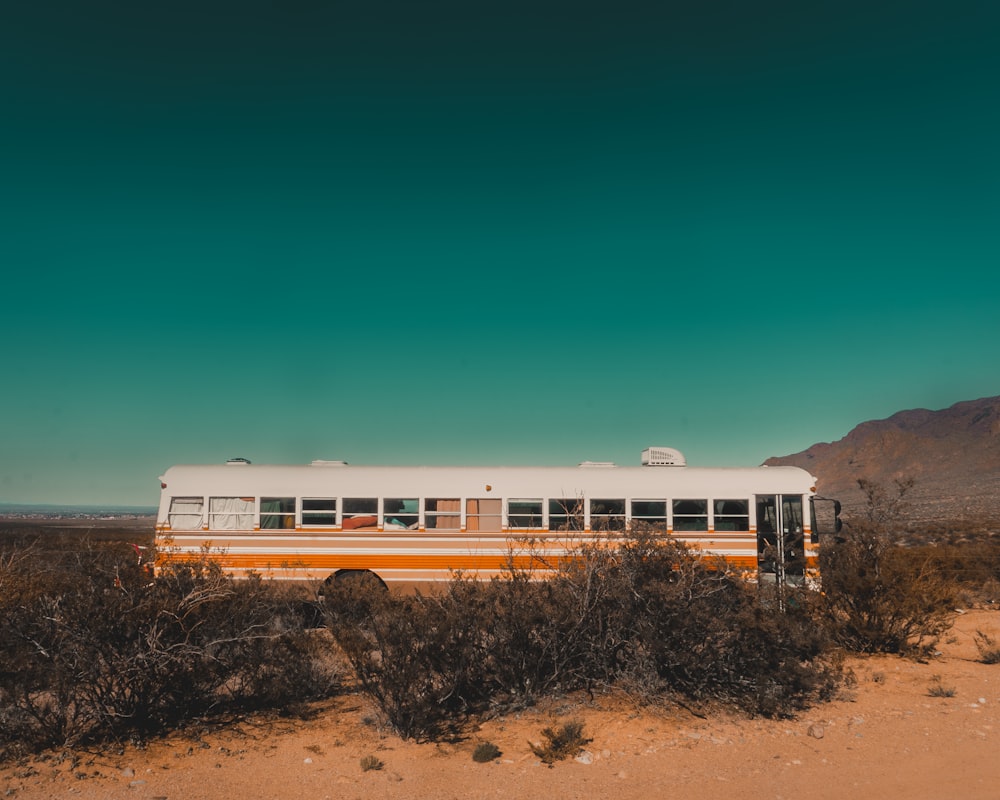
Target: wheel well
359	577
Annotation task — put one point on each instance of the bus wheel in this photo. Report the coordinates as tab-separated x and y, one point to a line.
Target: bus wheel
352	589
360	578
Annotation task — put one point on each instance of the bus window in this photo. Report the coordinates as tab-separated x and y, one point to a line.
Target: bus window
482	515
360	512
186	513
401	513
524	513
230	513
566	514
319	511
732	515
443	514
690	515
650	512
607	515
277	512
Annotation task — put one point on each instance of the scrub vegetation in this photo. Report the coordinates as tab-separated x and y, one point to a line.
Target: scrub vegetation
884	598
94	649
647	617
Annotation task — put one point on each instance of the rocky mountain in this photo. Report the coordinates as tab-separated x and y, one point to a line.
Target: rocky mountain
952	455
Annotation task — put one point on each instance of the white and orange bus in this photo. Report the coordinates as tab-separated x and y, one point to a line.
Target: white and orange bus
419	525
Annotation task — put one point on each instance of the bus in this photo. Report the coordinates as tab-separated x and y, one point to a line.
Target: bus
412	526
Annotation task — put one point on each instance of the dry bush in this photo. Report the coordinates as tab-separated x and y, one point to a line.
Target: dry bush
881	597
989	650
94	649
939	688
370	763
699	633
885	598
412	654
645	615
486	752
563	742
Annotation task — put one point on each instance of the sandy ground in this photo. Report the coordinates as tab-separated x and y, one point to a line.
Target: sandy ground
886	736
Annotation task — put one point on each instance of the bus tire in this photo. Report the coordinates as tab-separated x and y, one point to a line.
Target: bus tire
358	582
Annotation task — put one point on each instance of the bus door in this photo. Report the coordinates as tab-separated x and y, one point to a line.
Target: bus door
780	539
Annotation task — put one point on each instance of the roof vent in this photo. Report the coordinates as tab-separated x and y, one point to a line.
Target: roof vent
238	461
597	463
663	457
319	462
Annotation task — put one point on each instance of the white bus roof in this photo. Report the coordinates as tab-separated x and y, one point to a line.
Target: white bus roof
591	479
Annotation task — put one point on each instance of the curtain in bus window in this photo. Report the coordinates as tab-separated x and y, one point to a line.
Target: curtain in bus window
230	513
472	515
482	515
186	513
446	516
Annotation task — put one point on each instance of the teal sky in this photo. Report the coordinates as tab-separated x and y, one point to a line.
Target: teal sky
485	232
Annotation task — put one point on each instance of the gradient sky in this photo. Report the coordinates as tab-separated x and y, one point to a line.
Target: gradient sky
485	232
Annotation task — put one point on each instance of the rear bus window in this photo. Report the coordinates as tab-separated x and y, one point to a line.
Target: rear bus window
186	513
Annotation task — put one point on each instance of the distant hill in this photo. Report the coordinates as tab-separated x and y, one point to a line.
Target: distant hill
56	510
953	456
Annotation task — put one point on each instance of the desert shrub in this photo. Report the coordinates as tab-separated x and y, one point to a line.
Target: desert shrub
938	688
430	661
94	648
564	741
370	763
989	650
699	633
549	635
645	615
882	597
486	752
973	567
412	654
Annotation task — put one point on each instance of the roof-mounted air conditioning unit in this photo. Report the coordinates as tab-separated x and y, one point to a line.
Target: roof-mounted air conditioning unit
663	457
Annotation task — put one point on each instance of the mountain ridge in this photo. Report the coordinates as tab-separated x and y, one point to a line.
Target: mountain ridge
952	455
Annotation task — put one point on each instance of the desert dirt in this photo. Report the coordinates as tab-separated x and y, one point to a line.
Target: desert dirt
886	735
